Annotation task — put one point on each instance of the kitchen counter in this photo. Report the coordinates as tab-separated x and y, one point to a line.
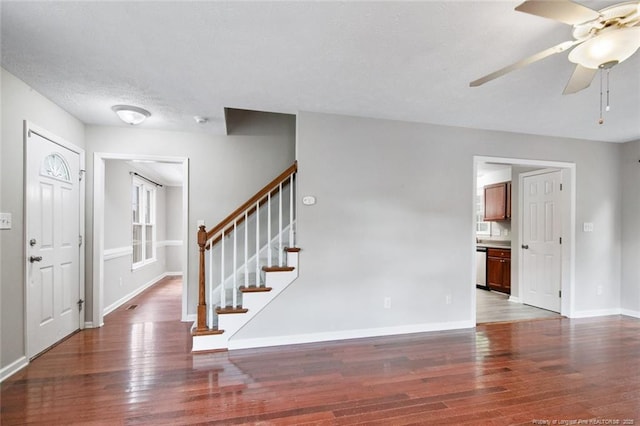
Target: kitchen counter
495	244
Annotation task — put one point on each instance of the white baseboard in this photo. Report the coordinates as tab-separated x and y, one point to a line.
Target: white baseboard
115	305
347	334
514	299
630	313
595	313
190	318
173	274
13	368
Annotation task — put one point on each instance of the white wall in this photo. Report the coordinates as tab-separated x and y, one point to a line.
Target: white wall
20	102
394	218
630	171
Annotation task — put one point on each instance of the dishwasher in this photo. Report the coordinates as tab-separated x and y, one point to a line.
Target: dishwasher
481	267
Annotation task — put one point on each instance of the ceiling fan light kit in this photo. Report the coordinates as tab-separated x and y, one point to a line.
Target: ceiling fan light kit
612	46
602	39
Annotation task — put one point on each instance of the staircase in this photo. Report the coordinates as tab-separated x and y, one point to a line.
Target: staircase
245	262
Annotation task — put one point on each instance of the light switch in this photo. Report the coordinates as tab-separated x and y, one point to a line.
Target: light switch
5	220
587	227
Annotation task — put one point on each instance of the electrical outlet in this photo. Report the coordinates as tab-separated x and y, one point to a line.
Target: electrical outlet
447	299
587	227
120	281
387	303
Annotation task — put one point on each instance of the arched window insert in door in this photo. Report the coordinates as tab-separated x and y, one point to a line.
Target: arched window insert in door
55	166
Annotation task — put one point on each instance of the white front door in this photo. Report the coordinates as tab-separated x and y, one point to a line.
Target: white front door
541	244
52	246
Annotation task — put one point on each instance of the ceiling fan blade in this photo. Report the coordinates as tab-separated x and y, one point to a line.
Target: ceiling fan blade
580	79
559	48
561	10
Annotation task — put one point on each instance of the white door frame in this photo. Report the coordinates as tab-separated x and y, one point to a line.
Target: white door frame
29	128
567	304
99	159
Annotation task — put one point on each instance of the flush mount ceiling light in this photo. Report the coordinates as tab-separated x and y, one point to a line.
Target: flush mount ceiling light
130	114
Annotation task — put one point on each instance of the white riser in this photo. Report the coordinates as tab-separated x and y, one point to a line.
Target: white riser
254	302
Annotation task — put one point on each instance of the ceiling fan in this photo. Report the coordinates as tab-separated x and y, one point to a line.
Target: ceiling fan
602	39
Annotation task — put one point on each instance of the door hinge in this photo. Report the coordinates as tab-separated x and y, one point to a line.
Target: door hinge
560	187
81	173
560	240
79	240
559	293
80	303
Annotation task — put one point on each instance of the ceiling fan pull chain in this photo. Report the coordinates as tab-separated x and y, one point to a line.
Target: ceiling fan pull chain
607	108
601	120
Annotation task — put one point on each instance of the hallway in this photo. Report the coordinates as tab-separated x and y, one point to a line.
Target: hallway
138	369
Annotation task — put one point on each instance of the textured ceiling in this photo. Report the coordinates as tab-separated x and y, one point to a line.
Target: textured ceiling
400	60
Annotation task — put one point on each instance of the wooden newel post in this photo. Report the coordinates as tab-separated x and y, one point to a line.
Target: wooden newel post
202	303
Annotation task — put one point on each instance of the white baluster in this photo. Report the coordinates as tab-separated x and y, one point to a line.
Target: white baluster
280	225
235	268
291	242
269	230
223	296
246	249
258	244
209	299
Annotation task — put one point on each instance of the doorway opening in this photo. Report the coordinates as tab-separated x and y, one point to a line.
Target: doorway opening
168	250
502	259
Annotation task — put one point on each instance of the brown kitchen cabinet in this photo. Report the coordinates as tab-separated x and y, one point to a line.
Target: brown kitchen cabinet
499	270
497	202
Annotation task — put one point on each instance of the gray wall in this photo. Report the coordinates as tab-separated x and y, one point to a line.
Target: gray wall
21	103
630	171
174	228
120	282
224	171
394	219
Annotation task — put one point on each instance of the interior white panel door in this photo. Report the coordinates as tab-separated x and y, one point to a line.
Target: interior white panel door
53	249
541	259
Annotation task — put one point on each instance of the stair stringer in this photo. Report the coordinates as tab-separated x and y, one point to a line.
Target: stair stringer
254	302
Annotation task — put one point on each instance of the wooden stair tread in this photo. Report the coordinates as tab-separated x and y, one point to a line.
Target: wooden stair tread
231	310
253	289
278	268
292	249
206	332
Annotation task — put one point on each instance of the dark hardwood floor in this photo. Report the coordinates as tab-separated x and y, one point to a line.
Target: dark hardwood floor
138	369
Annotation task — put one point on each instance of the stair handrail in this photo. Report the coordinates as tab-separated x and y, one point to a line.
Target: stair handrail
249	205
206	238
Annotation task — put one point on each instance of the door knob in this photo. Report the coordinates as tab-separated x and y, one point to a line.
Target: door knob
525	246
35	259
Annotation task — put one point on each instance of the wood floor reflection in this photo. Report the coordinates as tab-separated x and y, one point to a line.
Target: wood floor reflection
138	369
